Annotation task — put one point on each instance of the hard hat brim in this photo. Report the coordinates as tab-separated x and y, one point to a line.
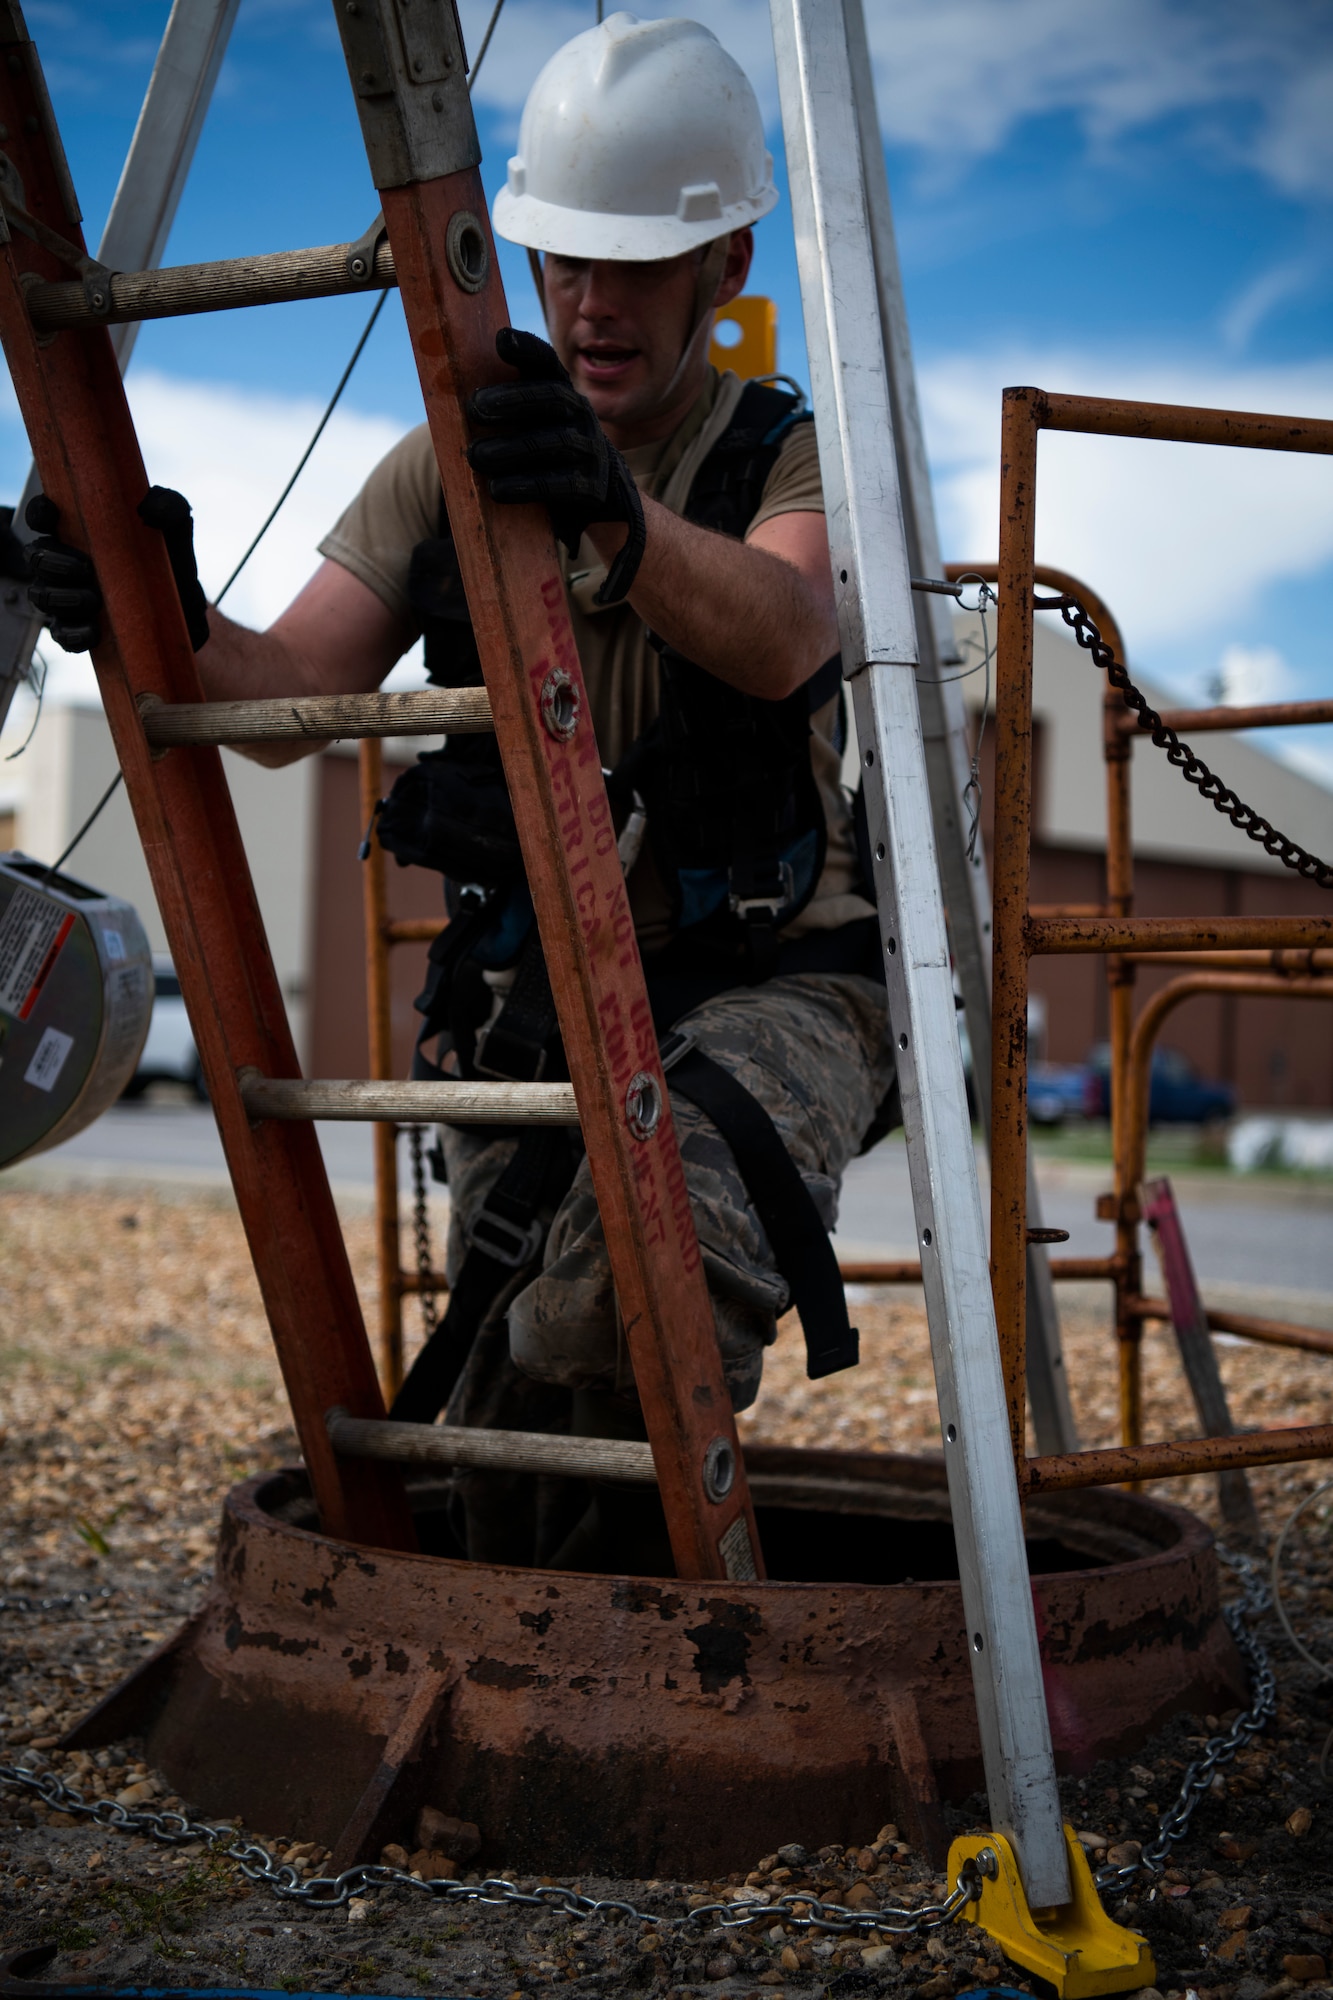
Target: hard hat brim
629	239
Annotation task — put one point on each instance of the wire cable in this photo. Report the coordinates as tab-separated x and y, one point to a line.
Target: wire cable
58	864
36	675
357	352
304	460
1324	1668
486	41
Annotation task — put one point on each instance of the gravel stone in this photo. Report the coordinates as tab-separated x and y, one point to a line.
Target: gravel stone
137	1384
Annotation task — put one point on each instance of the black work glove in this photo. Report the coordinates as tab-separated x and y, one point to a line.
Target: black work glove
547	445
163	508
62	583
63	586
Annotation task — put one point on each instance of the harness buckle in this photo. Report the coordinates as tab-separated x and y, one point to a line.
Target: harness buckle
509	1243
673	1046
513	1059
748	898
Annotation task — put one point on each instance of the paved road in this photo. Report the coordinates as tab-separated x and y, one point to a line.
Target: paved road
1265	1235
1269	1236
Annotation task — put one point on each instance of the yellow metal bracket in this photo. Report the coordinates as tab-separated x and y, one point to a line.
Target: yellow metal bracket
1077	1947
749	347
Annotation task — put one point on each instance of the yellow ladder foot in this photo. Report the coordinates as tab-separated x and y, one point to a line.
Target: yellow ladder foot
1077	1947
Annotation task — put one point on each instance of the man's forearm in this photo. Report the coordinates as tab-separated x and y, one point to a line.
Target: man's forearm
238	664
737	610
336	637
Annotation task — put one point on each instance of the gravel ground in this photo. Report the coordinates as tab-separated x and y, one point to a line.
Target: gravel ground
137	1384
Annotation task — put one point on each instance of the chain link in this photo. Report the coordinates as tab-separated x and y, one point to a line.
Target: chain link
430	1311
34	1605
1218	1751
330	1892
801	1909
1191	767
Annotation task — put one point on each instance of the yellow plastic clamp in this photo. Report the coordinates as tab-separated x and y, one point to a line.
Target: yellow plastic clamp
1077	1947
749	337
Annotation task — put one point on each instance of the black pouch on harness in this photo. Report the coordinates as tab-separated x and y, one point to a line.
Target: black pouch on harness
450	811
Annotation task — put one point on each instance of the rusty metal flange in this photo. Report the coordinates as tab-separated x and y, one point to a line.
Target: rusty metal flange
651	1727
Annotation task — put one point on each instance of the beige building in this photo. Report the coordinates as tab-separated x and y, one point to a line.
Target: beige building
1189	861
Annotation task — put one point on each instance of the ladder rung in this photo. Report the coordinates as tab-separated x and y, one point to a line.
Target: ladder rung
198	288
409	1103
510	1451
319	718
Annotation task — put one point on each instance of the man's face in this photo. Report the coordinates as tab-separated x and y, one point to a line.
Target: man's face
620	330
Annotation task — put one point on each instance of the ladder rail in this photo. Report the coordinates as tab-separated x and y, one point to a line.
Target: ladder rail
73	404
422	147
143	208
873	585
944	728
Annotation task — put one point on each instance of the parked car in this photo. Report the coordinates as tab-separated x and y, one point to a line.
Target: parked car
1178	1095
169	1054
1057	1091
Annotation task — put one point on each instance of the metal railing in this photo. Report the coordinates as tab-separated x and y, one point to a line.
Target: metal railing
1283	954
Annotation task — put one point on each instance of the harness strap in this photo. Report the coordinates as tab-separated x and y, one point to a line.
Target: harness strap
506	1237
798	1239
517	1044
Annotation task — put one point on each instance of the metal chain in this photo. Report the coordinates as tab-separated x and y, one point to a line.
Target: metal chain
430	1311
32	1605
1191	767
1219	1750
330	1892
801	1909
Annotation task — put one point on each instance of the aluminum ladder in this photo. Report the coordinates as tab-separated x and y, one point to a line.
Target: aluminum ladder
847	276
142	212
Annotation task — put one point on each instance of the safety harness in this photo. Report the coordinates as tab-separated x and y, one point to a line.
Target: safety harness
739	838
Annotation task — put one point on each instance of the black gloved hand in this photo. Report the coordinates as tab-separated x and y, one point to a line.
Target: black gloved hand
62	583
162	507
548	446
63	586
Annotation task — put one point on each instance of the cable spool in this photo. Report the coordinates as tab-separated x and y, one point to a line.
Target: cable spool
76	997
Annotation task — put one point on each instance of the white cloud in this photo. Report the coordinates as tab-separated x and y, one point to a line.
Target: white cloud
231	451
1252	305
1178	538
1248	675
1295	147
955	78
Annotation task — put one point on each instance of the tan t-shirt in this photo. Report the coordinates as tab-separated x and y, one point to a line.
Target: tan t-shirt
399	506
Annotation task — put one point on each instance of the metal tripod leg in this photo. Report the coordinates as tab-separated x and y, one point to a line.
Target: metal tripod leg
944	728
151	183
878	628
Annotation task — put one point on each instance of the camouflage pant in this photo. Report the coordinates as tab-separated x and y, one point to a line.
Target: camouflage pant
815	1050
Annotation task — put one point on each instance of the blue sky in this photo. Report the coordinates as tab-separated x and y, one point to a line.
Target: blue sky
1121	197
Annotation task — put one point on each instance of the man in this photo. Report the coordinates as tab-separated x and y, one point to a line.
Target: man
702	601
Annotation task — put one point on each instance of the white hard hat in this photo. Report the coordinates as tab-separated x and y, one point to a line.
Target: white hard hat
639	140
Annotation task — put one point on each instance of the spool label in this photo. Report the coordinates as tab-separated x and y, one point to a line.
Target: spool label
32	932
48	1059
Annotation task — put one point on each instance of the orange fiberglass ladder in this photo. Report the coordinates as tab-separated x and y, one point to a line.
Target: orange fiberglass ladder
56	305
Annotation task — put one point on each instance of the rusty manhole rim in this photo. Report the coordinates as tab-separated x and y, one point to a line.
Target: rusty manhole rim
920	1473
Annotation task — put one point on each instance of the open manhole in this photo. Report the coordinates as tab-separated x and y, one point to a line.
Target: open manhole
644	1726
